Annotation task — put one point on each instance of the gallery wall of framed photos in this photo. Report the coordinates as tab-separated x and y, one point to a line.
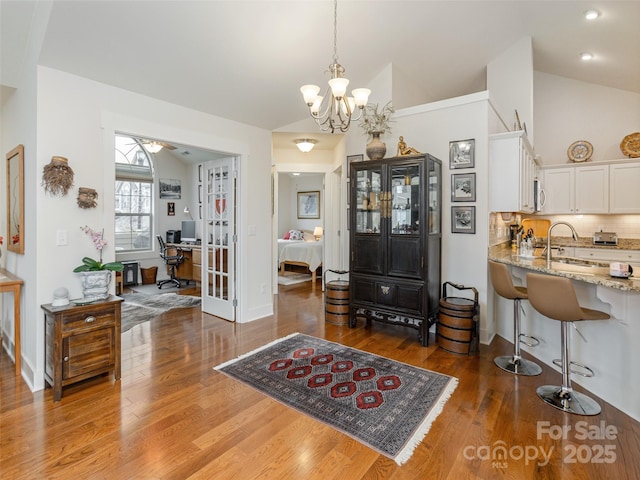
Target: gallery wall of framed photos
463	186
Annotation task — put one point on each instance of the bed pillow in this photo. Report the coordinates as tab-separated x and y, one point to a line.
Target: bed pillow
295	235
308	237
286	236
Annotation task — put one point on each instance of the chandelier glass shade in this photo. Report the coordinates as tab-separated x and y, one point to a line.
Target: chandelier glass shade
334	110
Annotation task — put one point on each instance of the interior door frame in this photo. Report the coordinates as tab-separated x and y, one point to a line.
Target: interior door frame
330	205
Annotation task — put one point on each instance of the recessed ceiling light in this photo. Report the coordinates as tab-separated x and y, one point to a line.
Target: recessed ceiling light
586	56
296	174
591	14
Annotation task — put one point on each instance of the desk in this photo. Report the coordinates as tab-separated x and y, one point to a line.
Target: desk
10	283
191	267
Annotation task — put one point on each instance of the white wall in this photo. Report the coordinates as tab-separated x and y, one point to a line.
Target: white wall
77	118
430	128
567	110
510	81
288	202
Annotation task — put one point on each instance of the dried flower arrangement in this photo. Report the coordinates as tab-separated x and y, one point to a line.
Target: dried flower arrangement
57	177
376	122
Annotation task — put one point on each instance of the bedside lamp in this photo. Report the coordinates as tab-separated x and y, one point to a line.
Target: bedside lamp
317	232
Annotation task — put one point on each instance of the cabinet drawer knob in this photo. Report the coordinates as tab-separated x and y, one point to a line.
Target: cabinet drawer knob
385	289
90	319
66	359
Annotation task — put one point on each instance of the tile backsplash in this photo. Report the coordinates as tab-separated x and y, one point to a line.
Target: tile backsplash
626	226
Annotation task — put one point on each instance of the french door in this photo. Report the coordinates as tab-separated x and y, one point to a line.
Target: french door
219	239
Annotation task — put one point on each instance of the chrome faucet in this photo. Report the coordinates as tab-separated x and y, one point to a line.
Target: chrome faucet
573	233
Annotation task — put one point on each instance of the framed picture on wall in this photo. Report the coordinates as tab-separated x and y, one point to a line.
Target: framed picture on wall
171	209
462	153
463	219
309	204
170	188
463	187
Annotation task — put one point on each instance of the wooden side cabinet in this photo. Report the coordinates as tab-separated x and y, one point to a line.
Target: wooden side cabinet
81	341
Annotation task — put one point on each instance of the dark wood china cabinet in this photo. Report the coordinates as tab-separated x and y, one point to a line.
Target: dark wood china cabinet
395	241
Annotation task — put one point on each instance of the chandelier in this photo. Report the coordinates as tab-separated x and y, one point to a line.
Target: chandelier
334	111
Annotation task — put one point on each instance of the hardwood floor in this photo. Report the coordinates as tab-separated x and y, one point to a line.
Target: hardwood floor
171	416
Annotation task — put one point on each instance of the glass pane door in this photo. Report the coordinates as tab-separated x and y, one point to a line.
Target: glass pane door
217	262
434	196
368	185
405	200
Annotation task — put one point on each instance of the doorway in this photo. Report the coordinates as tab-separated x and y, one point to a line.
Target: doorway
298	255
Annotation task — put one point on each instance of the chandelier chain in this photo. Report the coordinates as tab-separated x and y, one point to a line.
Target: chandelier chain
335	31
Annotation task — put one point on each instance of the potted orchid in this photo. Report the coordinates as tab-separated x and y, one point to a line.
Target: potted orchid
95	275
91	265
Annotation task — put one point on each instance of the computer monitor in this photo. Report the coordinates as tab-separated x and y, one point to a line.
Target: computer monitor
188	233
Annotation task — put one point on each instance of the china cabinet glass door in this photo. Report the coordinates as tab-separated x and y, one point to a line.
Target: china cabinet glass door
405	200
368	185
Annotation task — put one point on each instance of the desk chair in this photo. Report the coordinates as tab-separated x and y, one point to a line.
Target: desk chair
172	261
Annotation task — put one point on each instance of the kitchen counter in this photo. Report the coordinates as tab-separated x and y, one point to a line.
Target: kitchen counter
598	274
587	242
612	345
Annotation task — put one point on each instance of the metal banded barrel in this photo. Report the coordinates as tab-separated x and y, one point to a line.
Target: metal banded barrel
457	329
337	302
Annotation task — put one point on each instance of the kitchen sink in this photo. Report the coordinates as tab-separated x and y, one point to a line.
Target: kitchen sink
577	265
579	261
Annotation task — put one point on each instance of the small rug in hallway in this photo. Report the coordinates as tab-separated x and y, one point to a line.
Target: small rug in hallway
387	405
292	279
139	308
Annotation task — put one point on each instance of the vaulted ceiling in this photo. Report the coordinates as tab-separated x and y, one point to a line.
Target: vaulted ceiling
245	60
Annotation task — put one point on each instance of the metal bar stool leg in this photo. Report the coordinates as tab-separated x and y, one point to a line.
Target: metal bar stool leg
563	397
515	363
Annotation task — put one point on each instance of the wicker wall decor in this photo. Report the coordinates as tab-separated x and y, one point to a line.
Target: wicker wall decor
57	177
87	197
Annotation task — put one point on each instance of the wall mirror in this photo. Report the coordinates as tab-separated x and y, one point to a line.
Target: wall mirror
15	200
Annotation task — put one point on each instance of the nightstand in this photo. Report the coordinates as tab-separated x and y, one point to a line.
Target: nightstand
81	341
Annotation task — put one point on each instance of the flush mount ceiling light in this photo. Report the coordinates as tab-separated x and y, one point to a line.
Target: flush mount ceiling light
305	144
334	111
586	56
152	147
591	14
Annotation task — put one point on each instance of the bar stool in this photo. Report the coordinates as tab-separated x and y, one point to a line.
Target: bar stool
555	298
503	285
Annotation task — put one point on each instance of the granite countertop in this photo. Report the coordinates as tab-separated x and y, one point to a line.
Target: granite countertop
596	273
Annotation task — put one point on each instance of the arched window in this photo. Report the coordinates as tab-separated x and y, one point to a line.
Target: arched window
133	196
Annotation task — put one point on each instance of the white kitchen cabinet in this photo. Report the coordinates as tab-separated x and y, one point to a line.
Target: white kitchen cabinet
624	188
577	190
512	169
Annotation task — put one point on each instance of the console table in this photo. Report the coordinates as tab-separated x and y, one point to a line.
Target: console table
10	283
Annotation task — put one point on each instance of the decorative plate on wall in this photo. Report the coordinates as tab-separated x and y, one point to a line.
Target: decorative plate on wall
630	145
580	151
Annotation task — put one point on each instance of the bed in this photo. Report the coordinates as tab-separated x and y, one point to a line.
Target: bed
300	252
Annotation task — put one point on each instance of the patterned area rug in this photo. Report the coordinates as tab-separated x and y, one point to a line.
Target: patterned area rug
387	405
138	308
